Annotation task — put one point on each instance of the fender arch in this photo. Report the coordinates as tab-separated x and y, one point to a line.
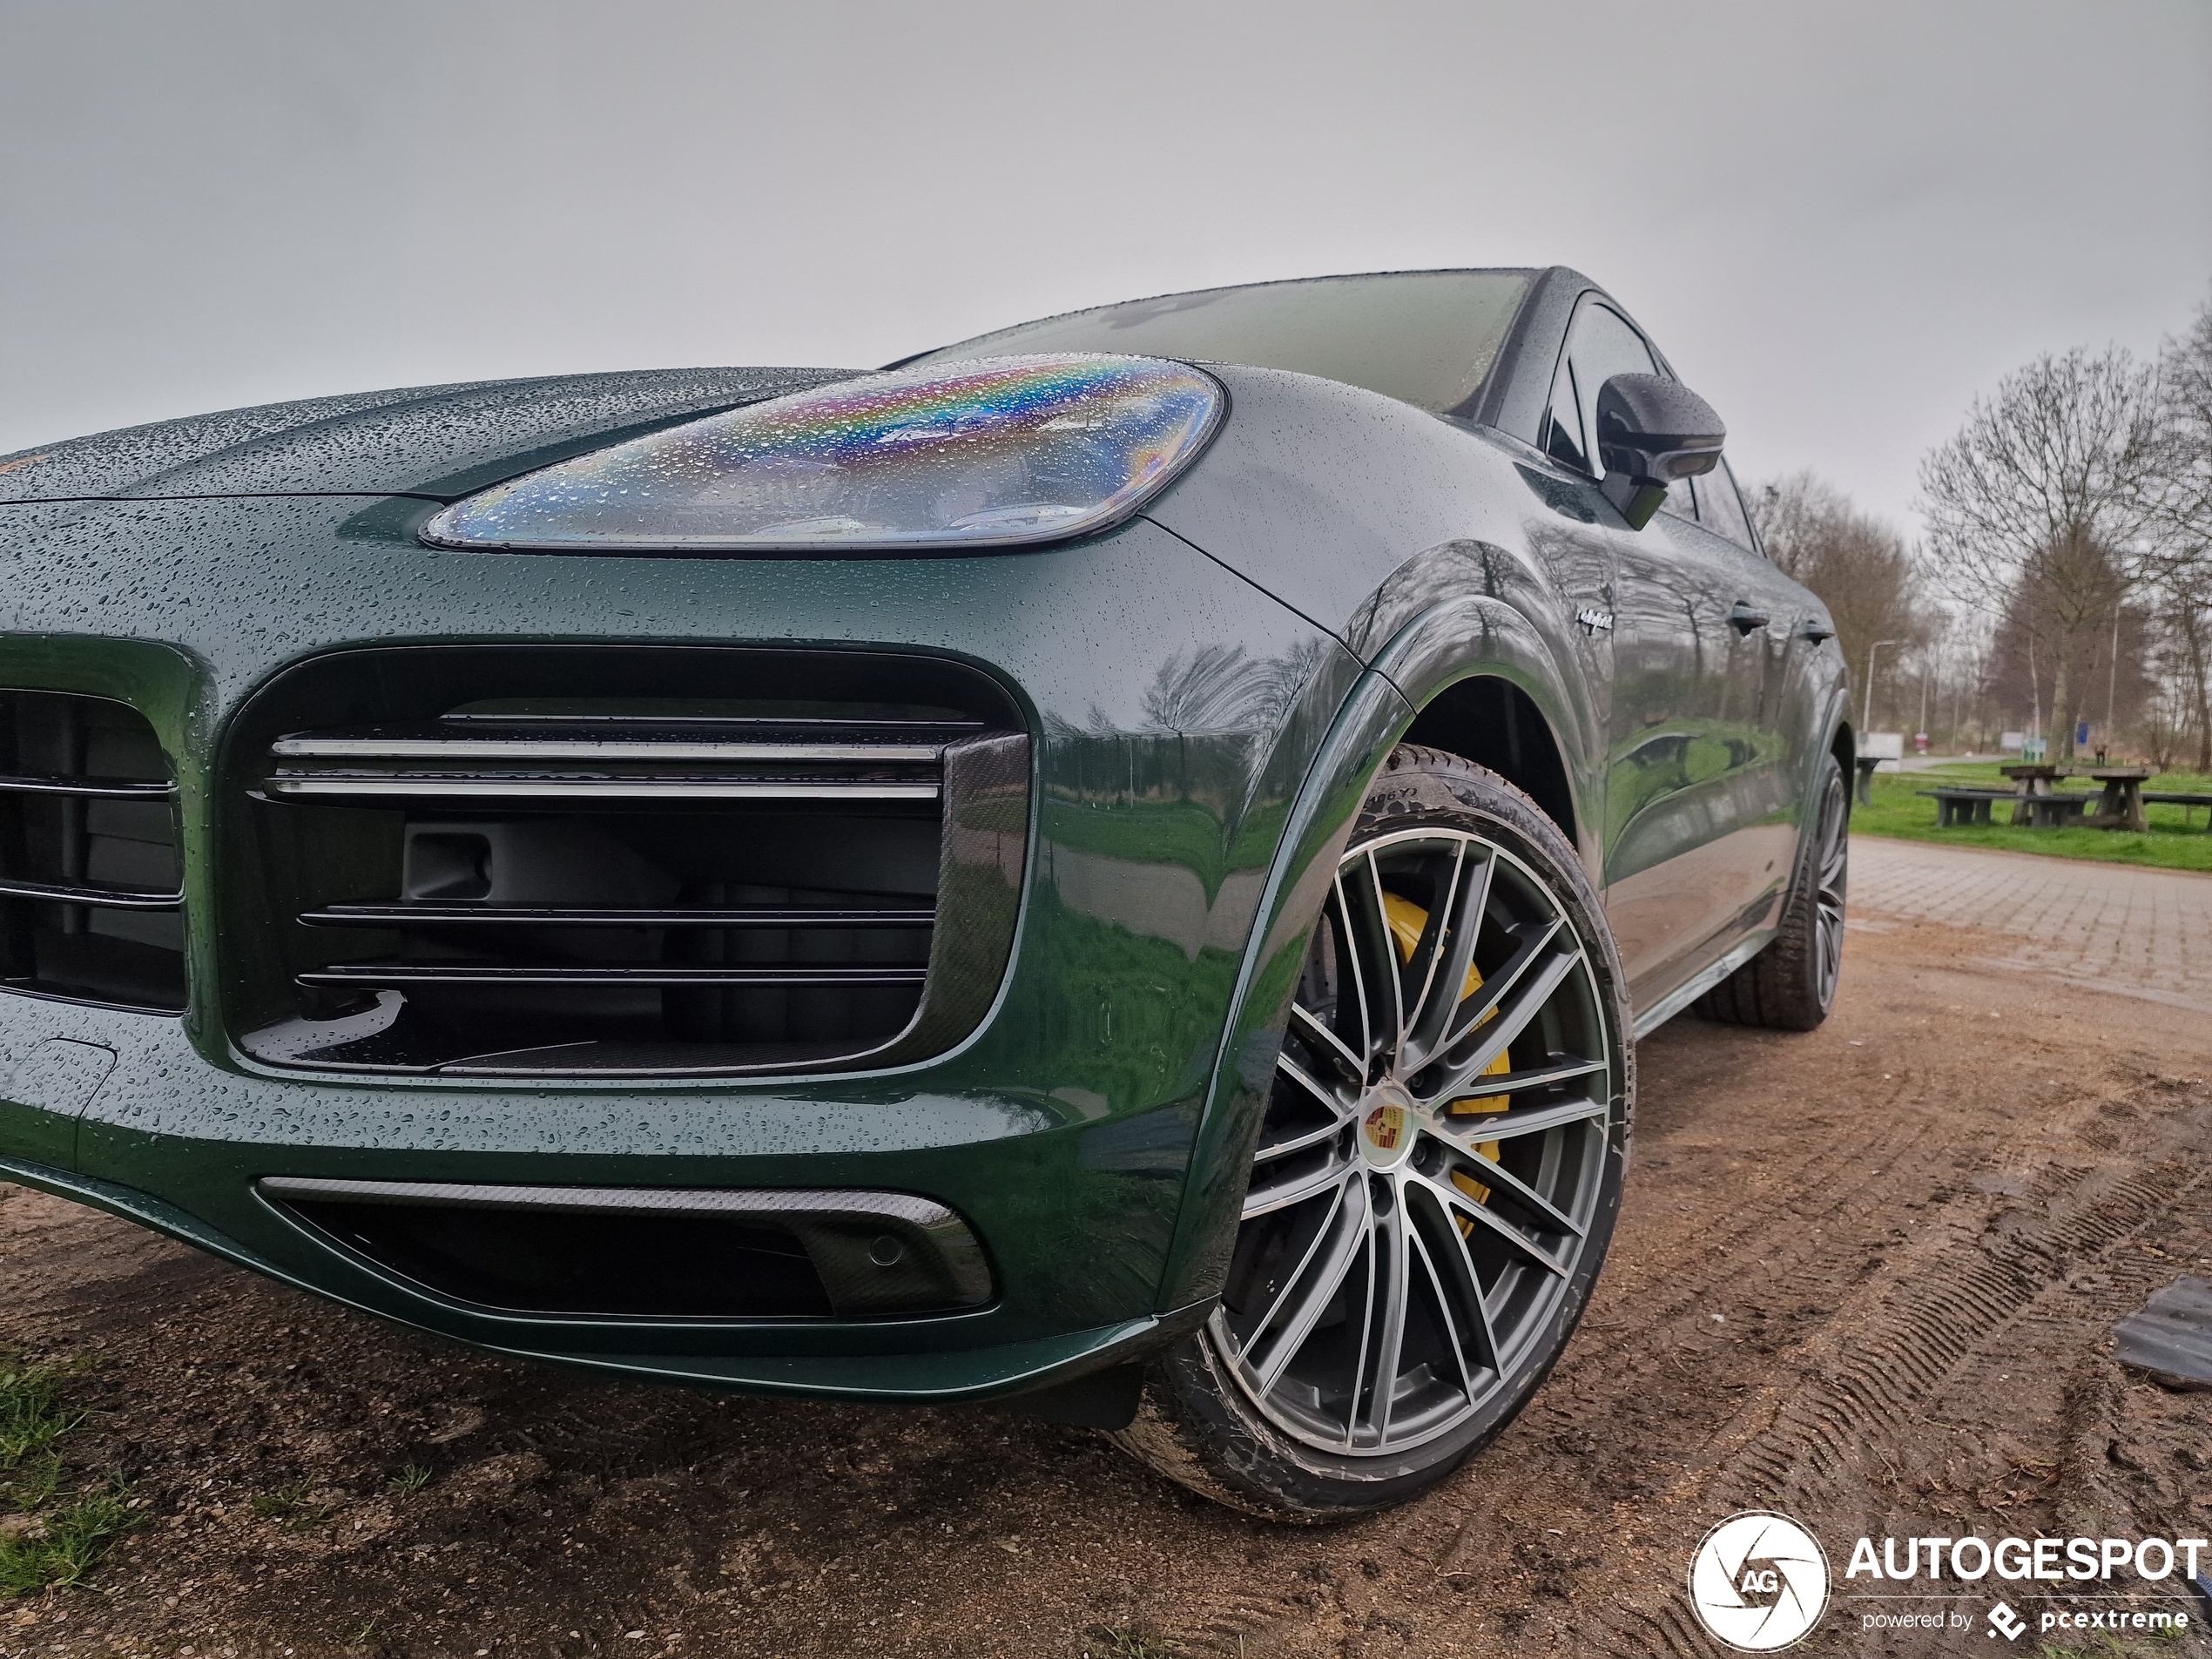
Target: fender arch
1445	645
1432	657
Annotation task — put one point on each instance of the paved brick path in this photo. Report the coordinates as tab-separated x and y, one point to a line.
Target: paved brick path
2143	933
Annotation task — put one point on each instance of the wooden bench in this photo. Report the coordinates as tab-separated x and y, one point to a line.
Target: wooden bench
2185	801
1971	806
2052	811
1964	806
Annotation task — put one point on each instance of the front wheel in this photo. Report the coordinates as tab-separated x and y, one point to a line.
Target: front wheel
1438	1169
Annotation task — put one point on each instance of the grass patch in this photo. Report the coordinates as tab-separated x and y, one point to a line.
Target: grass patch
2176	839
66	1543
47	1544
288	1505
413	1478
31	1417
27	1484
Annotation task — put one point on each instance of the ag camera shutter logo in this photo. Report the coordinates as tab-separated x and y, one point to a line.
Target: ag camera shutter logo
1759	1581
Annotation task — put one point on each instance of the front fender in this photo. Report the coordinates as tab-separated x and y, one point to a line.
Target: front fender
1371	719
1452	640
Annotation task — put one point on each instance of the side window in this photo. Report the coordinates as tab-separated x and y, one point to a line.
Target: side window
1563	422
1602	346
1722	509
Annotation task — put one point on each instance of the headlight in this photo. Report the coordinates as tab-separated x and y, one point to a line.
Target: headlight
994	452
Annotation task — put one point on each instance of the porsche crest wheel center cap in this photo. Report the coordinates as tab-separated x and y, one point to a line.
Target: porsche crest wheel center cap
1386	1132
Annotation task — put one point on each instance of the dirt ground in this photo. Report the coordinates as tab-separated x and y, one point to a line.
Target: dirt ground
1865	1277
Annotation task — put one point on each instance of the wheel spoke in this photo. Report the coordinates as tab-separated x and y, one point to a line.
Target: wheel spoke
1260	1201
1371	1314
1531	1120
1310	1290
1333	1045
1441	998
1349	952
1422	963
1315	1246
1452	1337
1387	1269
1563	1068
1314	1086
1497	1178
1374	953
1458	1202
1532	941
1457	1281
1297	1142
1497	1034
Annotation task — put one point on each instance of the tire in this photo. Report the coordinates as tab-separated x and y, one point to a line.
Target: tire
1791	984
1398	1218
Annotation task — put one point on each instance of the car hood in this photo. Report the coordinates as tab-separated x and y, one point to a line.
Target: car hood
441	442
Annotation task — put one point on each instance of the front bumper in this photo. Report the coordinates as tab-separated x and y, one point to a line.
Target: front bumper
1174	712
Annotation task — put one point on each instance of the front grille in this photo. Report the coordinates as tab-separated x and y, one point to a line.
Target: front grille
658	861
90	902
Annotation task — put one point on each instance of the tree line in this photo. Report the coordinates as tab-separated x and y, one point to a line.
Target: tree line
2065	574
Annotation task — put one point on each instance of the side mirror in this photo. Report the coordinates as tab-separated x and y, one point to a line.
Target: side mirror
1651	431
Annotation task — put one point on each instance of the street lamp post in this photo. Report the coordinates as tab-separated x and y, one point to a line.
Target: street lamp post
1866	715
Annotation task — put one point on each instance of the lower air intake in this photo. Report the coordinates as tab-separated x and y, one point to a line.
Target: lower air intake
632	1253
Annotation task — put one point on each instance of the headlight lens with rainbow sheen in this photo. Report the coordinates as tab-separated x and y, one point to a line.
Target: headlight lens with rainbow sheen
992	452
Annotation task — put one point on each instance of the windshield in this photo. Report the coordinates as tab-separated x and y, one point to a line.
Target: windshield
1428	337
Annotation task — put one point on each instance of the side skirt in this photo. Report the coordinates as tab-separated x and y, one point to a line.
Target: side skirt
1697	984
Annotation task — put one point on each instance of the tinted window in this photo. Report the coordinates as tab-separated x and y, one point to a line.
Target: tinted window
1720	510
1428	337
1602	346
1563	421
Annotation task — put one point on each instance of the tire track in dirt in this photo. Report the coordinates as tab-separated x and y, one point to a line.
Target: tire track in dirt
1914	1225
1800	1453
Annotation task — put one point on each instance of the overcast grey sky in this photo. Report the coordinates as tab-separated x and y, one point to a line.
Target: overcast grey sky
1840	221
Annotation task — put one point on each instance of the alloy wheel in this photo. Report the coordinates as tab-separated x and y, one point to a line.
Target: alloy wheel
1832	855
1431	1166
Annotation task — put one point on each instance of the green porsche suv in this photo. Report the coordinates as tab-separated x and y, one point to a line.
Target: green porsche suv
1117	866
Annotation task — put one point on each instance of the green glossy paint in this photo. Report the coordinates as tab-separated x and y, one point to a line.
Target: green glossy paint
1208	690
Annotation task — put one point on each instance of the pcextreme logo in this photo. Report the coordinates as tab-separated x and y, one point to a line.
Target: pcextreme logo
1759	1581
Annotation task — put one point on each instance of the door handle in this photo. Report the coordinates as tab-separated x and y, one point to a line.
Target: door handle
1743	616
1815	630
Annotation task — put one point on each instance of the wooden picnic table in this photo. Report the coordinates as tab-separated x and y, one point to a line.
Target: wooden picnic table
2121	806
2035	778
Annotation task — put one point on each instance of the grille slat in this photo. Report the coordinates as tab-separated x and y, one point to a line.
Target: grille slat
93	897
404	974
641	750
663	862
90	888
399	788
649	763
89	788
467	916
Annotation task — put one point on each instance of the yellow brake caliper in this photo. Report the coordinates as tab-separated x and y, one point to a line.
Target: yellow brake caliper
1407	920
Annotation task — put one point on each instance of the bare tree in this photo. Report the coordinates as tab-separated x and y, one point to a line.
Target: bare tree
2032	505
1856	562
2177	513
